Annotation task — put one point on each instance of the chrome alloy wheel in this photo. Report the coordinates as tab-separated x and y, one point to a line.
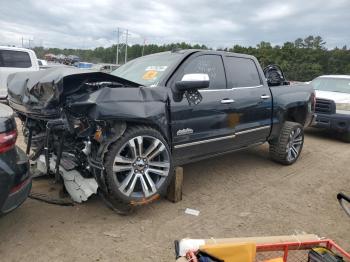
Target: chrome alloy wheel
141	166
295	142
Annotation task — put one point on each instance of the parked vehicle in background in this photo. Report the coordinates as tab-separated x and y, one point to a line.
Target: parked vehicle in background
72	59
12	60
84	65
128	129
54	65
61	57
50	57
333	103
42	63
105	68
15	180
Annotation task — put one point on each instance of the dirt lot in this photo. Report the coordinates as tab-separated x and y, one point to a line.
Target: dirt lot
240	194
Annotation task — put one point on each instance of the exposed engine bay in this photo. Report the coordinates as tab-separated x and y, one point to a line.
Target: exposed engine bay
70	119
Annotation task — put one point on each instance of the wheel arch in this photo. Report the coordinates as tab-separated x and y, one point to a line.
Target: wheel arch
163	129
297	114
290	113
121	126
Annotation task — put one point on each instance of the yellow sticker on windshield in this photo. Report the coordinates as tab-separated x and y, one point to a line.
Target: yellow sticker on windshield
149	75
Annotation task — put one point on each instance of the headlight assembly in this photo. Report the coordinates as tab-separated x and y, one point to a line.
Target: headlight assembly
343	108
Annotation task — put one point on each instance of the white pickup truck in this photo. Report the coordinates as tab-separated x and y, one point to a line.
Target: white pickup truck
333	103
12	60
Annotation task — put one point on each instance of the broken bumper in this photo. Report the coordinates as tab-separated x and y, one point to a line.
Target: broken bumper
78	187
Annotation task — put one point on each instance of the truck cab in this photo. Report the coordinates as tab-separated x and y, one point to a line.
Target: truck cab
13	60
237	104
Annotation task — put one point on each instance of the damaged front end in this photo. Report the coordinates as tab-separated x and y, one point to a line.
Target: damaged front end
70	119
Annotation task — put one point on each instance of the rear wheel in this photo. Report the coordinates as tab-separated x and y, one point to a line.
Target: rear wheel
287	148
138	166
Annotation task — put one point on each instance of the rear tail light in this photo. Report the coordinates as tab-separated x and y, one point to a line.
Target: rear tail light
7	140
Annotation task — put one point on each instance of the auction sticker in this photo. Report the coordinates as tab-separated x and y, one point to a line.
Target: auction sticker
149	75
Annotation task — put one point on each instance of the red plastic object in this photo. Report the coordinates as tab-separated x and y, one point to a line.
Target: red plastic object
296	251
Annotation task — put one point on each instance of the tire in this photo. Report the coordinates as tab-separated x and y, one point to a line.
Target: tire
116	205
138	166
287	148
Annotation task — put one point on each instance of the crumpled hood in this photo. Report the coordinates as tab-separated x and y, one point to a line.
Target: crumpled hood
335	96
121	103
43	94
45	89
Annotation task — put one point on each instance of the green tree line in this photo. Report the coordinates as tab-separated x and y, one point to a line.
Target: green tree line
301	60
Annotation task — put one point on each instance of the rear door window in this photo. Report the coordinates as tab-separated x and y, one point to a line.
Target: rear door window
242	72
17	59
207	64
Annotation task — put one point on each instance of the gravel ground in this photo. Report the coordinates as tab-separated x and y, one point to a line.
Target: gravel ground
239	194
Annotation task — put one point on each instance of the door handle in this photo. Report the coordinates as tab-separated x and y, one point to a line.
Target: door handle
227	101
265	97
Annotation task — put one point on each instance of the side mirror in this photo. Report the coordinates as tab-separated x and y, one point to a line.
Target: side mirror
191	82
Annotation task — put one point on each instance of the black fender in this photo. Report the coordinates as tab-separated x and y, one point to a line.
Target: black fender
291	103
141	105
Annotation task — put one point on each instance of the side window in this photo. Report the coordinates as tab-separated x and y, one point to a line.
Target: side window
18	59
208	64
242	72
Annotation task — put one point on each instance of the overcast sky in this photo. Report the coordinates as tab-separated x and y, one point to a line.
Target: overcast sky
216	23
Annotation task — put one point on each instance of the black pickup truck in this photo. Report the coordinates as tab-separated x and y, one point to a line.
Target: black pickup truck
128	129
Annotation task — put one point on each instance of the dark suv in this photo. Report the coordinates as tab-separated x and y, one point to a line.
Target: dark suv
15	180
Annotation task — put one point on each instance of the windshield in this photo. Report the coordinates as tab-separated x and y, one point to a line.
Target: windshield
341	85
148	70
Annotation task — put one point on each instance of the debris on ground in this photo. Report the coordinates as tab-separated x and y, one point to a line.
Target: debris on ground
193	212
78	187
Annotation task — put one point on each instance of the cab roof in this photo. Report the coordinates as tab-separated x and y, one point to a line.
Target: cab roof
13	48
190	51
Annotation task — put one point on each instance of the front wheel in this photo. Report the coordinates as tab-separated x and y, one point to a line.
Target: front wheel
287	148
138	166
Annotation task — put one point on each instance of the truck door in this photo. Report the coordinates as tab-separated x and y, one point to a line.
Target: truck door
202	129
252	105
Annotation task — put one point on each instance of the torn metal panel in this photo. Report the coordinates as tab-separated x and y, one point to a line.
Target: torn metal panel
44	90
78	187
96	95
122	103
93	95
